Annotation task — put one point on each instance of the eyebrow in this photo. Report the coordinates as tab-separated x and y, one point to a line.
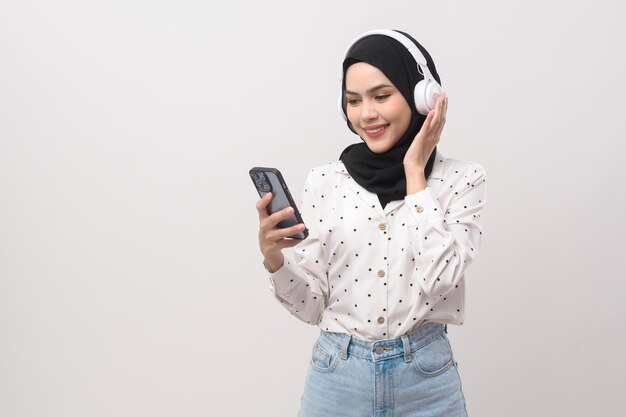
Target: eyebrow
371	90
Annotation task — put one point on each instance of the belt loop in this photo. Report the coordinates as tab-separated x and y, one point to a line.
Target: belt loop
407	348
344	346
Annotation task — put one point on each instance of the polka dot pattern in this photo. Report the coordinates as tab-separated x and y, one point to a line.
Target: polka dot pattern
379	272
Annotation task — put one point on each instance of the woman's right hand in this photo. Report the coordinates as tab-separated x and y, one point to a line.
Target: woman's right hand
271	238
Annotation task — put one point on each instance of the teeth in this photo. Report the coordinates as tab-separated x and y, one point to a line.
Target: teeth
375	130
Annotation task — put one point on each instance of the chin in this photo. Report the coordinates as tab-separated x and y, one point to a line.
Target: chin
379	147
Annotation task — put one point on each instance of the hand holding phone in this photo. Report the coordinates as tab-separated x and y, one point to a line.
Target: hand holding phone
280	224
271	180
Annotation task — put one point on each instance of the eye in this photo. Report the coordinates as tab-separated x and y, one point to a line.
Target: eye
353	101
382	97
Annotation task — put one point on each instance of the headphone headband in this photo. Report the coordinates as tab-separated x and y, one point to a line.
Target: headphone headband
406	42
424	90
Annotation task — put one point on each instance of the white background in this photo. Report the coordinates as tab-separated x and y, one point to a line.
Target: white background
130	277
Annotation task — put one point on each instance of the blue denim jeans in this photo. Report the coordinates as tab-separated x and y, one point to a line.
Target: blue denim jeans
414	375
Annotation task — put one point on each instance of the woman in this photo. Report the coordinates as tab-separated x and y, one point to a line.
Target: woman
393	225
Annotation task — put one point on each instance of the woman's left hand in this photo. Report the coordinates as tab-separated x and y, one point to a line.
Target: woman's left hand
428	137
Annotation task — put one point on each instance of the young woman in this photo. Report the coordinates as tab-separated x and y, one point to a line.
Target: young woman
393	226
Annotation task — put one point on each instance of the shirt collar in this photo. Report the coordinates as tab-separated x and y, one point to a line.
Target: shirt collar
438	166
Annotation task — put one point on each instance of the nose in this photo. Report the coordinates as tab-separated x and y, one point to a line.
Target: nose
368	111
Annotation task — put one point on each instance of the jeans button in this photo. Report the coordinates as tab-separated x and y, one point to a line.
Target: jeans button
379	350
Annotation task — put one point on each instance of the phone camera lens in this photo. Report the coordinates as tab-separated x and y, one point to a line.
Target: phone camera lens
262	182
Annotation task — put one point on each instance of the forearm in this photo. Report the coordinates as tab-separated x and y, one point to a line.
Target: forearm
444	243
415	179
299	292
440	259
299	279
273	264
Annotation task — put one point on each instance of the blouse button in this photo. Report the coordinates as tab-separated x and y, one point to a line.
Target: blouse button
382	226
381	320
381	273
419	209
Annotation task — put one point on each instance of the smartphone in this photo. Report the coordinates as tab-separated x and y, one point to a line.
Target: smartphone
270	179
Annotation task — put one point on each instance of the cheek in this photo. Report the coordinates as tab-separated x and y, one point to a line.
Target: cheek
353	116
402	114
406	120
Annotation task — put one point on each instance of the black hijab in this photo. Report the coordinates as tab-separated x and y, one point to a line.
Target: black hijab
383	173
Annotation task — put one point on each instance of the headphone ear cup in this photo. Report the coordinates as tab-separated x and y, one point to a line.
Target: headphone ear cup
419	95
425	94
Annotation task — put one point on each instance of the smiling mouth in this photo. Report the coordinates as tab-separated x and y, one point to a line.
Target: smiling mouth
376	132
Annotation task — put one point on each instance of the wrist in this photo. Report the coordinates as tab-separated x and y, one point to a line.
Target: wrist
415	181
412	167
273	265
412	164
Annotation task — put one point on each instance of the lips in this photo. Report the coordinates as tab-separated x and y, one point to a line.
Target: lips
376	130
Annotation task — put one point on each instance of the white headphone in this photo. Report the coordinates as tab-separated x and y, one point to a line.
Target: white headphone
426	91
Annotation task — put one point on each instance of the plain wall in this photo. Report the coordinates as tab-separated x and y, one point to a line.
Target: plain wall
131	281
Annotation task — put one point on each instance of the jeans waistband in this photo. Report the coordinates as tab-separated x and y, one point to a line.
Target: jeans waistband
383	349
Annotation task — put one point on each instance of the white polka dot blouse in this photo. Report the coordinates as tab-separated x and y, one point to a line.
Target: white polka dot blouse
379	273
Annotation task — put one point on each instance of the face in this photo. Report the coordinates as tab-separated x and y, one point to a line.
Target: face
375	107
